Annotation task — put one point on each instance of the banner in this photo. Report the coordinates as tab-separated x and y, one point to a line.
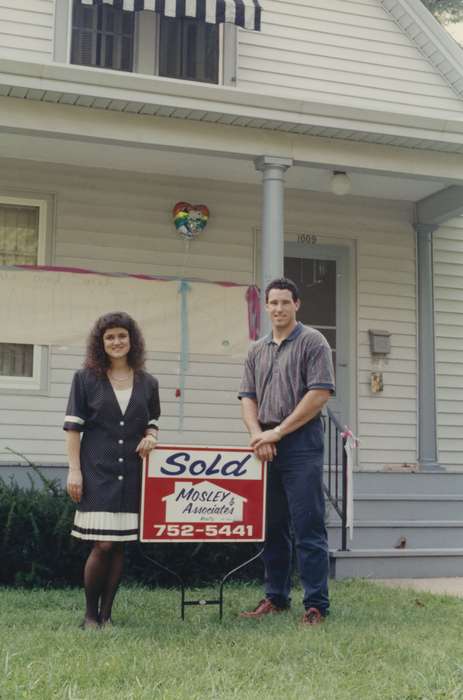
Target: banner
51	307
203	494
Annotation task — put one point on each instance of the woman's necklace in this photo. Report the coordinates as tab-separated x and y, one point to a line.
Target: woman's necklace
120	379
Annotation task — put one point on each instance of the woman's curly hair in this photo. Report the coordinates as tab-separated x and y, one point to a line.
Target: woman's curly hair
96	358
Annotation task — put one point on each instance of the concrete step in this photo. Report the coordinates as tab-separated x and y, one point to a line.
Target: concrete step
382	507
420	483
396	563
419	534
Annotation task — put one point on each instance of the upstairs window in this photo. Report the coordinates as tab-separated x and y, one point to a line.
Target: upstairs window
102	36
107	37
189	50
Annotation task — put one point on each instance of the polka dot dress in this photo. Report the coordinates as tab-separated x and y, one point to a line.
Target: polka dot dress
111	468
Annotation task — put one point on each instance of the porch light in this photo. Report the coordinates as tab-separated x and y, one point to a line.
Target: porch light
340	183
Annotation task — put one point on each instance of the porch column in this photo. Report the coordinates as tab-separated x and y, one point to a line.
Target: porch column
272	235
427	413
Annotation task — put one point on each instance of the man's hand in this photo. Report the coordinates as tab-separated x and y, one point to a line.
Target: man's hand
263	448
74	485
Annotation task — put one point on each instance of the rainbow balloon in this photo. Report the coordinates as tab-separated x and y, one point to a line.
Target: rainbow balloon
190	219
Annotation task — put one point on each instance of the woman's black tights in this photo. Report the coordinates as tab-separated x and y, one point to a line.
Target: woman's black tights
102	574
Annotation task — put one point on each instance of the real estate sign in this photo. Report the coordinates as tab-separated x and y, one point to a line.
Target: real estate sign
206	494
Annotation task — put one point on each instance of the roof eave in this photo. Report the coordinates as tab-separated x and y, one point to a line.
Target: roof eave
434	42
152	95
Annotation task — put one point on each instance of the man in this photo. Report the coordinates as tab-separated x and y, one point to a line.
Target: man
288	378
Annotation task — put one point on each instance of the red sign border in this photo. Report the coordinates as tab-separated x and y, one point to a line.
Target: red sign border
263	466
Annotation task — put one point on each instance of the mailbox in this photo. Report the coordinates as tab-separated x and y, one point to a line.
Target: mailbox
380	342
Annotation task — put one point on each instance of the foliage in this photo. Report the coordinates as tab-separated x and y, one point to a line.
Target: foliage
36	548
446	10
34	535
377	644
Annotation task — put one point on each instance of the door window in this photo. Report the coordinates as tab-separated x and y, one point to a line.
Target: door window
316	280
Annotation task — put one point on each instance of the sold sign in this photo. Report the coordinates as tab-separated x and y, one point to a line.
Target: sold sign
205	494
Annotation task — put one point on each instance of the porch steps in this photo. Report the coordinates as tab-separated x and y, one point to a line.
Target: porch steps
406	526
397	563
388	534
411	506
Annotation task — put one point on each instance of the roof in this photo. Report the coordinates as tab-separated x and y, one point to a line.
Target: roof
152	95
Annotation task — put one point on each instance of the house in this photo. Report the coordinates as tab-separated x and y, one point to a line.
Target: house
326	140
203	501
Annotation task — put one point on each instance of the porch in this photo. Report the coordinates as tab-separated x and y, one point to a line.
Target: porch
112	202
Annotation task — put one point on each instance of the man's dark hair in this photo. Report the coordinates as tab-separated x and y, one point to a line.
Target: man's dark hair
283	283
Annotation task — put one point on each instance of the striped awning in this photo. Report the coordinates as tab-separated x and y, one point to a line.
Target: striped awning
243	13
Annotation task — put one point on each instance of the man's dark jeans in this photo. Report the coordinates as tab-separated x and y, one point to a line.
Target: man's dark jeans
295	496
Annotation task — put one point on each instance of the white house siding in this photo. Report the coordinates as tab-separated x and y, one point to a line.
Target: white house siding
347	51
26	30
116	221
448	293
385	295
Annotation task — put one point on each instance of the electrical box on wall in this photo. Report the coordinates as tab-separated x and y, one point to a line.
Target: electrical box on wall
380	342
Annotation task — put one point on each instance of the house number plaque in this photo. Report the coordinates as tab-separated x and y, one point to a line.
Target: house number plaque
307	238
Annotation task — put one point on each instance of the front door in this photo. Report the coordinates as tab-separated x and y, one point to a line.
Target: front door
322	274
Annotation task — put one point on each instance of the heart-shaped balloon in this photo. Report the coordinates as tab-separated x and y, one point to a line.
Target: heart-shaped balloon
190	219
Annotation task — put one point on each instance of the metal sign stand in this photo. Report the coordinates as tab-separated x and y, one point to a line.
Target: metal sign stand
202	601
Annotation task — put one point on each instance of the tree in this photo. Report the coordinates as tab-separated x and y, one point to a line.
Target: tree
446	11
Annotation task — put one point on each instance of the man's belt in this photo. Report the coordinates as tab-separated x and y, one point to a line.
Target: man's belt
270	426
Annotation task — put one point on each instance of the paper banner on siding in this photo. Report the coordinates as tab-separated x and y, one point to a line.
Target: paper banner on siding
217	333
59	308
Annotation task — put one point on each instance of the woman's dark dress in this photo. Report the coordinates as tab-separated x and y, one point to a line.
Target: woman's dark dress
111	469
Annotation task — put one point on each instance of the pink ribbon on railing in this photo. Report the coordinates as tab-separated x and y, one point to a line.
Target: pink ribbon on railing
350	445
253	299
347	433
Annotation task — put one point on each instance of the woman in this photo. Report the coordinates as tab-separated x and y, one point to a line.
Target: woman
115	404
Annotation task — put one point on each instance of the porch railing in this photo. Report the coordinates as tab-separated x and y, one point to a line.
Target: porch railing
335	482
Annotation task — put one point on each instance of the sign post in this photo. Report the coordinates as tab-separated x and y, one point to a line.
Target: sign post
203	494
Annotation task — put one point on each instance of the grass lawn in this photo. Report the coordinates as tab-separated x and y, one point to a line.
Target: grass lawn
378	644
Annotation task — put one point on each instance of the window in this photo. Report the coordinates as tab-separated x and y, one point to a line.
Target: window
317	281
189	50
22	242
145	42
102	36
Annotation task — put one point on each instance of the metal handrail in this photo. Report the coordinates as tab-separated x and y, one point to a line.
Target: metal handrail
336	486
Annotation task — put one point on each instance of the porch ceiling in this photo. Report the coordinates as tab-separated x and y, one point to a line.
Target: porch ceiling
172	163
150	95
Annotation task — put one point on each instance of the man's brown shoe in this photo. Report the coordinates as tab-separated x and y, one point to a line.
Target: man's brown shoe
313	616
264	607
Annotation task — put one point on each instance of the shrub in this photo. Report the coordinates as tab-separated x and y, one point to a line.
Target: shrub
35	547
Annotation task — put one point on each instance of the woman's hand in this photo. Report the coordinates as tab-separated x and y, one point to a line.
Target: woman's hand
74	485
146	444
